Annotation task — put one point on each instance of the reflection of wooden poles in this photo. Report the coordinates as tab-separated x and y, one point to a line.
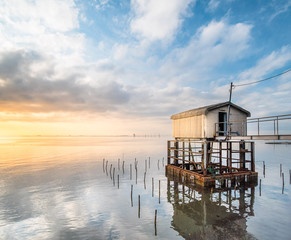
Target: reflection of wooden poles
156	213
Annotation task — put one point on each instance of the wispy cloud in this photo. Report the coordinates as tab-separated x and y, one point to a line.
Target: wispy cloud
158	20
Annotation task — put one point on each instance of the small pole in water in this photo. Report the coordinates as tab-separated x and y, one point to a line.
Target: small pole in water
118	180
163	162
113	176
138	206
103	164
146	165
118	164
159	164
159	191
136	175
290	176
156	213
131	195
123	167
260	186
130	171
264	168
152	187
110	171
144	180
280	169
106	168
283	183
149	162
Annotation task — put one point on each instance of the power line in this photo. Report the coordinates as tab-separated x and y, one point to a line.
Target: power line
265	79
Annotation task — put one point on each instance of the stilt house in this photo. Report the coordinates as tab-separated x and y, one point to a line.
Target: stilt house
210	121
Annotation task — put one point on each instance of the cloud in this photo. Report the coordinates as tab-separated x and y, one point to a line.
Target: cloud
40	15
213	5
47	90
279	9
213	44
158	20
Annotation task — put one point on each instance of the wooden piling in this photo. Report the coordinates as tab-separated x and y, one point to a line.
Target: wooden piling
264	168
144	180
110	171
149	162
283	183
123	167
163	161
145	165
156	213
106	168
280	169
290	176
118	164
260	186
130	172
159	164
131	195
113	176
136	175
118	181
138	206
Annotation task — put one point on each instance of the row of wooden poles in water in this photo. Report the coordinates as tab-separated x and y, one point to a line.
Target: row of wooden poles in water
281	175
112	176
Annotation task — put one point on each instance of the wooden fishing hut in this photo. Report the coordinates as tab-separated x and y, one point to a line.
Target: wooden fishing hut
201	151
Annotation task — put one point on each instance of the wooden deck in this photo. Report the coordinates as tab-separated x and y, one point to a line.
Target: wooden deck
211	180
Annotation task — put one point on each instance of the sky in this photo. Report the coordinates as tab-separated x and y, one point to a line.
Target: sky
105	67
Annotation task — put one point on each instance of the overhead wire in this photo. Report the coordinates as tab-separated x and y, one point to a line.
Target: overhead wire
265	79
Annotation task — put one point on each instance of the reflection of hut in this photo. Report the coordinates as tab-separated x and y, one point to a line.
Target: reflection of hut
209	121
202	214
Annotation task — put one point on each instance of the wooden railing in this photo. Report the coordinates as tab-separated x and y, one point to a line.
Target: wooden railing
258	122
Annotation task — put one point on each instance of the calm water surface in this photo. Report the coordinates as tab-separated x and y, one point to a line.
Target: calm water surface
57	188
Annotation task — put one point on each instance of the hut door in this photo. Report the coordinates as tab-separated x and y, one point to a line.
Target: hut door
222	119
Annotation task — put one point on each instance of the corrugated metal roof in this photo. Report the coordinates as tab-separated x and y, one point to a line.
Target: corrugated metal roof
204	110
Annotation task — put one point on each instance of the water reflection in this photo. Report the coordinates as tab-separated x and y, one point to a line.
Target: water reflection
201	213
